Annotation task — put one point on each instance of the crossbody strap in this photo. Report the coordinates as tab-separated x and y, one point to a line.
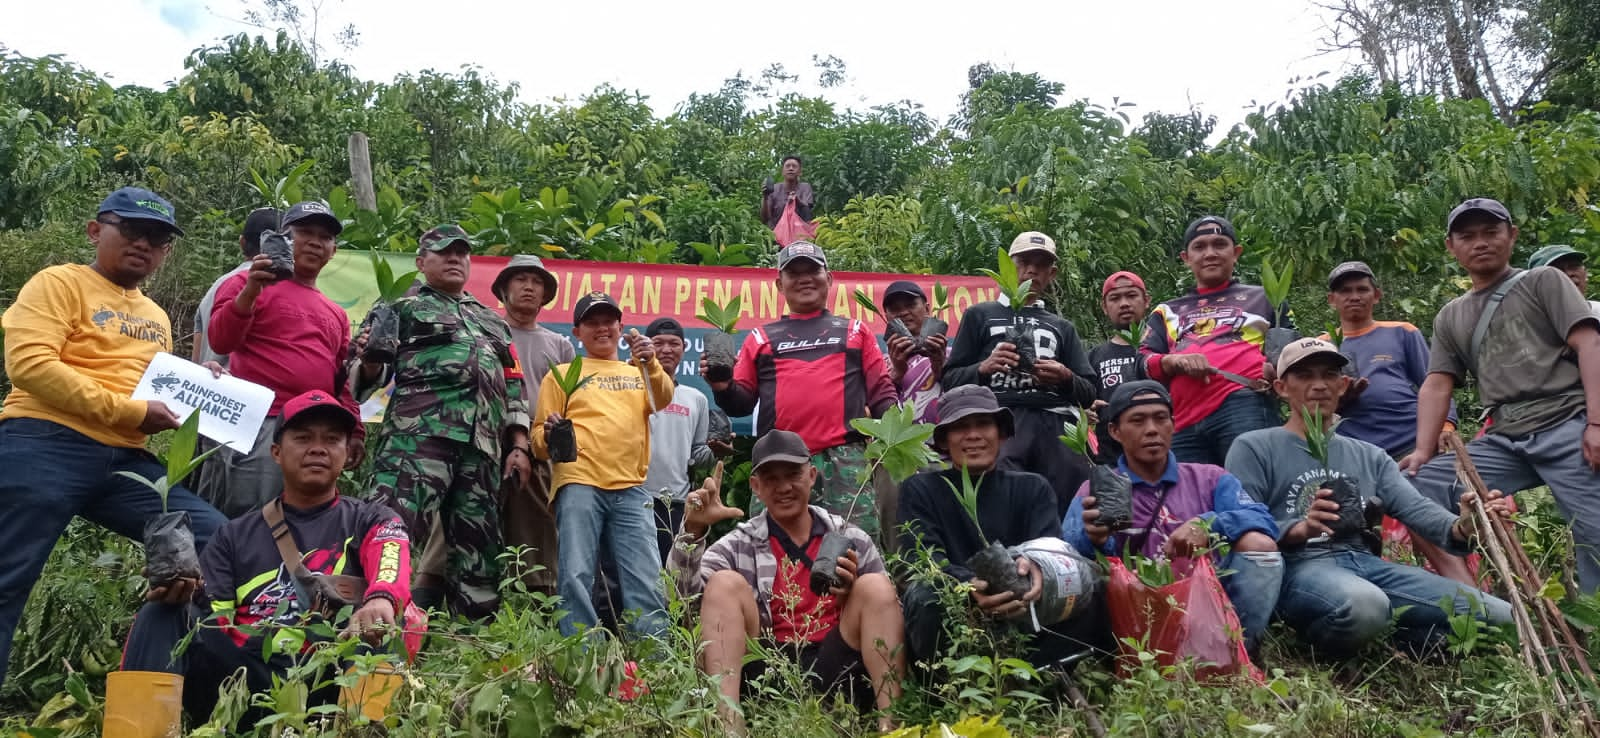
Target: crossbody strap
272	512
1482	328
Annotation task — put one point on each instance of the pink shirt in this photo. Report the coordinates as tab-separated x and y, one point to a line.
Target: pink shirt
294	342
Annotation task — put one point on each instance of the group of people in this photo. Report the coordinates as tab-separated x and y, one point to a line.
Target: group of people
475	454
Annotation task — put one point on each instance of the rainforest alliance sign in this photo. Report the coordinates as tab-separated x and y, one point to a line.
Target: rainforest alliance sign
231	409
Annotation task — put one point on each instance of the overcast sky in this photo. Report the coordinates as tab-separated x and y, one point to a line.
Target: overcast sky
1224	56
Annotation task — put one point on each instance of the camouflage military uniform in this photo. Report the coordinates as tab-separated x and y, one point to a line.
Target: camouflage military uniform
458	390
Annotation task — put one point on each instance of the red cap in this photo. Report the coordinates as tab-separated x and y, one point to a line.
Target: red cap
316	402
1111	282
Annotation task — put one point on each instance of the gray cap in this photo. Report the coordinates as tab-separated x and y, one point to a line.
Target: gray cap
802	250
525	263
1348	268
777	446
1477	204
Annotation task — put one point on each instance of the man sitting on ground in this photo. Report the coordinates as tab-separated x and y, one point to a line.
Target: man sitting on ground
1336	593
1013	508
1178	508
754	583
253	596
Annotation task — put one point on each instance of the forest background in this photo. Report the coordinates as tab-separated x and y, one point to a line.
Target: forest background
1458	98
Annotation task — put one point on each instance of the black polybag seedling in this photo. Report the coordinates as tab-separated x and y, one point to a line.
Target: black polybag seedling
824	568
169	551
1113	496
718	356
276	246
998	568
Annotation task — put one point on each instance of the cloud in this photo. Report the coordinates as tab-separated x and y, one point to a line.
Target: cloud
184	15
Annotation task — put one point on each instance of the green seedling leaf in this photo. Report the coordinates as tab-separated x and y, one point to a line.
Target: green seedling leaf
1317	436
1005	278
1335	335
897	441
941	298
724	318
1133	333
1277	285
1077	433
570	382
967	495
866	303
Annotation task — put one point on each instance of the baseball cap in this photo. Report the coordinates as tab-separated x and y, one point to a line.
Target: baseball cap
595	300
135	203
1207	225
903	287
1031	241
1307	348
1111	282
802	250
1347	269
779	446
314	404
664	327
1130	394
1553	253
442	237
1477	204
311	210
525	263
966	400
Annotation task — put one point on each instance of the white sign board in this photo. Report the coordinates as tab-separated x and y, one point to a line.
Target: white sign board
231	409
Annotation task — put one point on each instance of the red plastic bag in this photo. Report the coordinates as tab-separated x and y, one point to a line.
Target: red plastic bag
791	227
1188	620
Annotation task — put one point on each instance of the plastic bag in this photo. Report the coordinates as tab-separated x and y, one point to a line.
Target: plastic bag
1188	620
169	552
791	227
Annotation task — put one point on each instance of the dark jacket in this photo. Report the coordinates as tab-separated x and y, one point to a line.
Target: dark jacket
1054	337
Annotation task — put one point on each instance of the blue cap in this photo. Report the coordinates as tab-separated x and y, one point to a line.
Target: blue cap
133	203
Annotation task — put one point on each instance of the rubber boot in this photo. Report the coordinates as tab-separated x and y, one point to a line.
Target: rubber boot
143	704
372	692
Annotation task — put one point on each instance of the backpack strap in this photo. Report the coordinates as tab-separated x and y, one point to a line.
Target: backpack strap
272	512
1482	328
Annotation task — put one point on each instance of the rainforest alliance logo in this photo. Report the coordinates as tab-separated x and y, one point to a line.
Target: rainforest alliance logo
132	326
164	382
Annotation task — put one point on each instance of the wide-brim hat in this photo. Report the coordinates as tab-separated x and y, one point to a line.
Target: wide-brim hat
967	400
525	263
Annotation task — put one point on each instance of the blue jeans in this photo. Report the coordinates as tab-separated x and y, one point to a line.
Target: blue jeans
1340	601
51	473
1208	441
1253	581
627	517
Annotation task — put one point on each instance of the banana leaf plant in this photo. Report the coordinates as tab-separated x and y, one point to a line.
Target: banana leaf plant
384	340
560	437
719	352
1016	294
168	540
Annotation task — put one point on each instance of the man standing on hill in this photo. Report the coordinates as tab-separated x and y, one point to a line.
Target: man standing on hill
776	197
1193	342
77	340
1125	301
1061	380
1533	344
457	425
813	373
283	334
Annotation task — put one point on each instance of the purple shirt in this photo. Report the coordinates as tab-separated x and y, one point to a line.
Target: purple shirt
920	388
1183	493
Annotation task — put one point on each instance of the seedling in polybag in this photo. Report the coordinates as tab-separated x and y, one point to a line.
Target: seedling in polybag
384	340
561	438
1005	277
169	549
897	327
933	325
1352	515
719	352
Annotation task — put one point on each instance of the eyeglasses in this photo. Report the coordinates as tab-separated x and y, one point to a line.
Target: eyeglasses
158	235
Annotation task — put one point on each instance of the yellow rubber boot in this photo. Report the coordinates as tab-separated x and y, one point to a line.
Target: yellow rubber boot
143	704
372	692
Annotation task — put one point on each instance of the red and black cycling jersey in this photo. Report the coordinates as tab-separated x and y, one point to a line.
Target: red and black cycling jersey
812	373
244	573
1227	325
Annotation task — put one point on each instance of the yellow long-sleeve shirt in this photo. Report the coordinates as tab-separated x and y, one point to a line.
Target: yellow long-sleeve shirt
611	418
76	346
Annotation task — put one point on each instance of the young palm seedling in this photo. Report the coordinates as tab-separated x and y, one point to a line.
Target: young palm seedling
897	327
1016	295
1113	492
1277	286
1352	513
384	340
560	437
719	352
168	541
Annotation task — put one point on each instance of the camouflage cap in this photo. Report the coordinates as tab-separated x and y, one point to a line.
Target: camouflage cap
442	237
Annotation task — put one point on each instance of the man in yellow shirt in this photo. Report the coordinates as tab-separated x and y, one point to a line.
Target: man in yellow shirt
604	487
77	340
